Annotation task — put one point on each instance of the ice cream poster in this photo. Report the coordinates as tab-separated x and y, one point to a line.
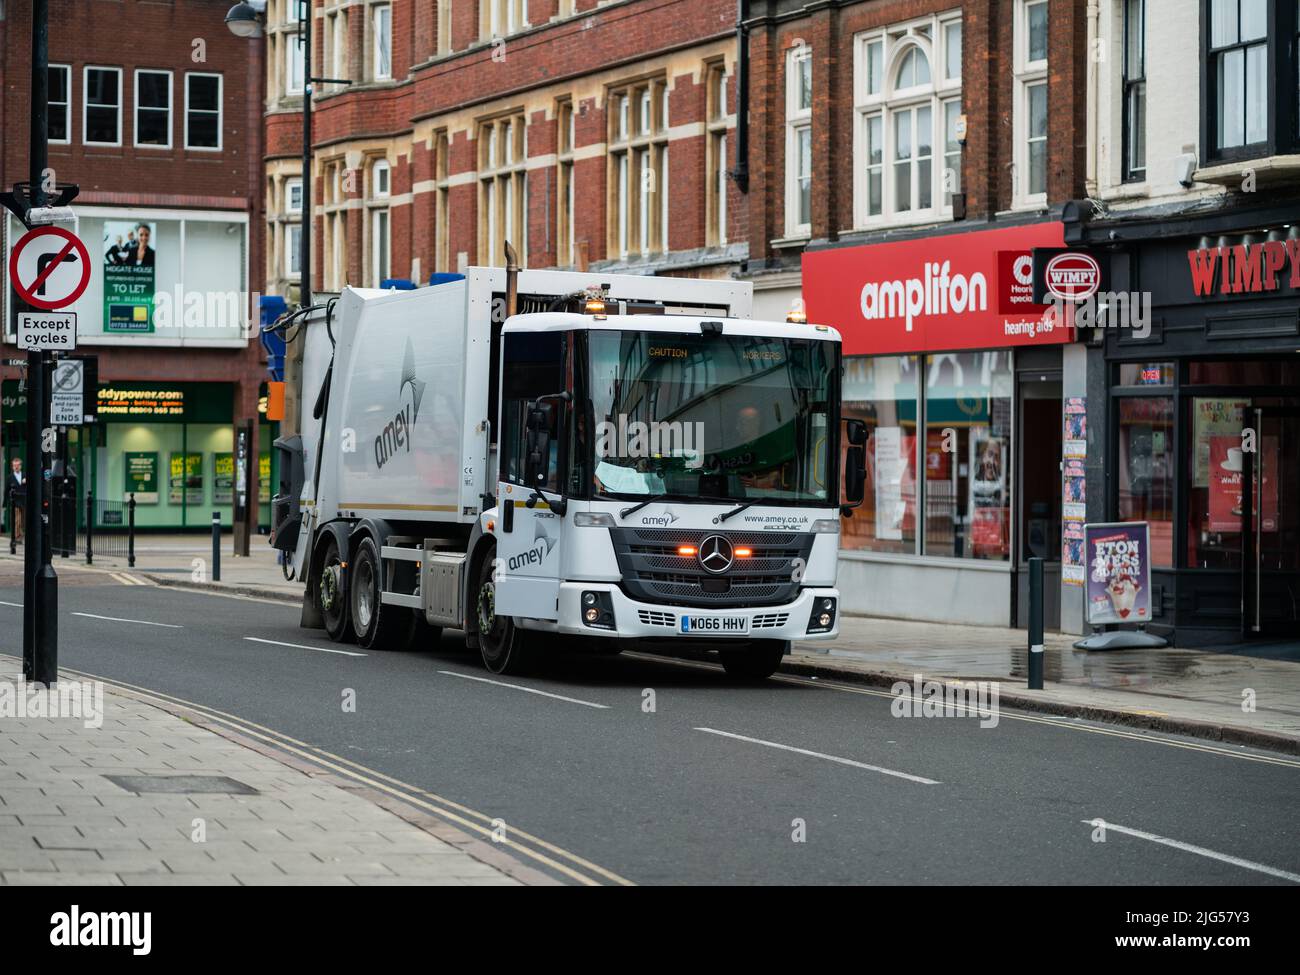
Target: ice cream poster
1119	572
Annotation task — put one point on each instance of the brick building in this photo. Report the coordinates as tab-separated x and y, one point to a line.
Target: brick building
558	127
155	111
906	159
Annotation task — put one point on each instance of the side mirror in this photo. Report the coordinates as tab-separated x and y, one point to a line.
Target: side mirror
855	474
856	432
537	461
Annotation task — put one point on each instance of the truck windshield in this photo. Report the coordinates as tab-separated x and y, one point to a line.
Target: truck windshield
715	415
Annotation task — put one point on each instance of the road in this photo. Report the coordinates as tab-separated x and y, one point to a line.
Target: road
794	781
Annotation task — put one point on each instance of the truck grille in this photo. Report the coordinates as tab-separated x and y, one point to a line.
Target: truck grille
654	572
649	617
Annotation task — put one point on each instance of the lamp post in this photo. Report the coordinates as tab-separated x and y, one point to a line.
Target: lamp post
248	20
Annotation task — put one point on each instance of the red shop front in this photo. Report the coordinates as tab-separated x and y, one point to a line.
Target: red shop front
963	385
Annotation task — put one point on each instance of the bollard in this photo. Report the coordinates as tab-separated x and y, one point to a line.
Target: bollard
1035	624
130	531
90	528
216	546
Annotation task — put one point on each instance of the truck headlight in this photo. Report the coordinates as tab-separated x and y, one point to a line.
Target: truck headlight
597	609
593	519
822	617
826	526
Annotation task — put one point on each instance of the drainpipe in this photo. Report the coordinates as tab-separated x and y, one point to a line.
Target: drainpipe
1090	167
741	173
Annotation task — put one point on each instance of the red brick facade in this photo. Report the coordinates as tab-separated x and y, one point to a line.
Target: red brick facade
178	36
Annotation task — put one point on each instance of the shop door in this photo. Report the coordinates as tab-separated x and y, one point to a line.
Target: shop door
1270	582
1038	494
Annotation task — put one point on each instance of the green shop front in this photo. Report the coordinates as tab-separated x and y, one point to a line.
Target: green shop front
168	444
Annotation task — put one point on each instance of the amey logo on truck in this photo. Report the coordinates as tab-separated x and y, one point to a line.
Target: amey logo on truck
936	292
397	432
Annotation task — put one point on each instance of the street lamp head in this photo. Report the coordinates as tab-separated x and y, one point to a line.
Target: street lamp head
245	19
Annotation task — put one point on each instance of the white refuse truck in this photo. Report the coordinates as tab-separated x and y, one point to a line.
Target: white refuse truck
543	458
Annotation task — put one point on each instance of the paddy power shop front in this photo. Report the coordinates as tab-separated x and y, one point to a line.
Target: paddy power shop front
170	444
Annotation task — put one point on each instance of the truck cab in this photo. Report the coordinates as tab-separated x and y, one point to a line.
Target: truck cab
665	478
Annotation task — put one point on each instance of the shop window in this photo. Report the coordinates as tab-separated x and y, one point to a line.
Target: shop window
1214	500
908	97
1146	470
882	392
967	455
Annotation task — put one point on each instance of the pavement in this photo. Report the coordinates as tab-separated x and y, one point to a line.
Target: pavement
1217	695
636	768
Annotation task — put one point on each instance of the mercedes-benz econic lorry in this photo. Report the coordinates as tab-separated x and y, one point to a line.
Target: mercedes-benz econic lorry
546	458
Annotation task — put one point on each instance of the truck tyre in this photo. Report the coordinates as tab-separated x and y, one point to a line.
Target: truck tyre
757	661
501	643
378	627
421	637
331	594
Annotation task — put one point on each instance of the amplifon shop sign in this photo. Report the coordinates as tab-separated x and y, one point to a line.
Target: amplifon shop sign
942	293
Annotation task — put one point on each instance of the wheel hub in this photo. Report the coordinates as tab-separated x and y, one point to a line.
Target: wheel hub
487	606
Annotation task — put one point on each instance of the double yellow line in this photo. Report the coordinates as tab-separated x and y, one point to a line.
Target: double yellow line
557	859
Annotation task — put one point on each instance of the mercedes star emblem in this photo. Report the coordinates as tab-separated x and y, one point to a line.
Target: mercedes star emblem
716	554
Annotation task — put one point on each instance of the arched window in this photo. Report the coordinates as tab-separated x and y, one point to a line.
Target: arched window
379	179
908	158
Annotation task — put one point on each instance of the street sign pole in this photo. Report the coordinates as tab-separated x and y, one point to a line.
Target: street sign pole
41	585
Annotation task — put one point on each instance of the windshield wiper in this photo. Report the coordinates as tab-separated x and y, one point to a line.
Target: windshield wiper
736	511
641	504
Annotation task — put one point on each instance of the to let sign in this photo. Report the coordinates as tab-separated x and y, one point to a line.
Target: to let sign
47	331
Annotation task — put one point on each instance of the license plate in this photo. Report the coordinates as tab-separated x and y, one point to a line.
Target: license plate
716	625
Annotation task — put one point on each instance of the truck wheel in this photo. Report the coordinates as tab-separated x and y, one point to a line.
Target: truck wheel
331	597
500	642
377	626
420	636
757	661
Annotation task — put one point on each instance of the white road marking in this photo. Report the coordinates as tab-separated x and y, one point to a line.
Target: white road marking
520	687
3	603
118	619
829	758
303	646
1198	850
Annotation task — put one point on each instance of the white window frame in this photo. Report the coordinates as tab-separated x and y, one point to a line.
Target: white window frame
797	120
289	185
376	11
501	18
381	215
293	79
221	104
292	251
171	103
717	125
377	167
444	27
637	135
928	36
86	106
67	105
502	149
1027	74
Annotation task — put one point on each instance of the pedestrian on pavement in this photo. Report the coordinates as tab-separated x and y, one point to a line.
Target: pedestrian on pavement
16	495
